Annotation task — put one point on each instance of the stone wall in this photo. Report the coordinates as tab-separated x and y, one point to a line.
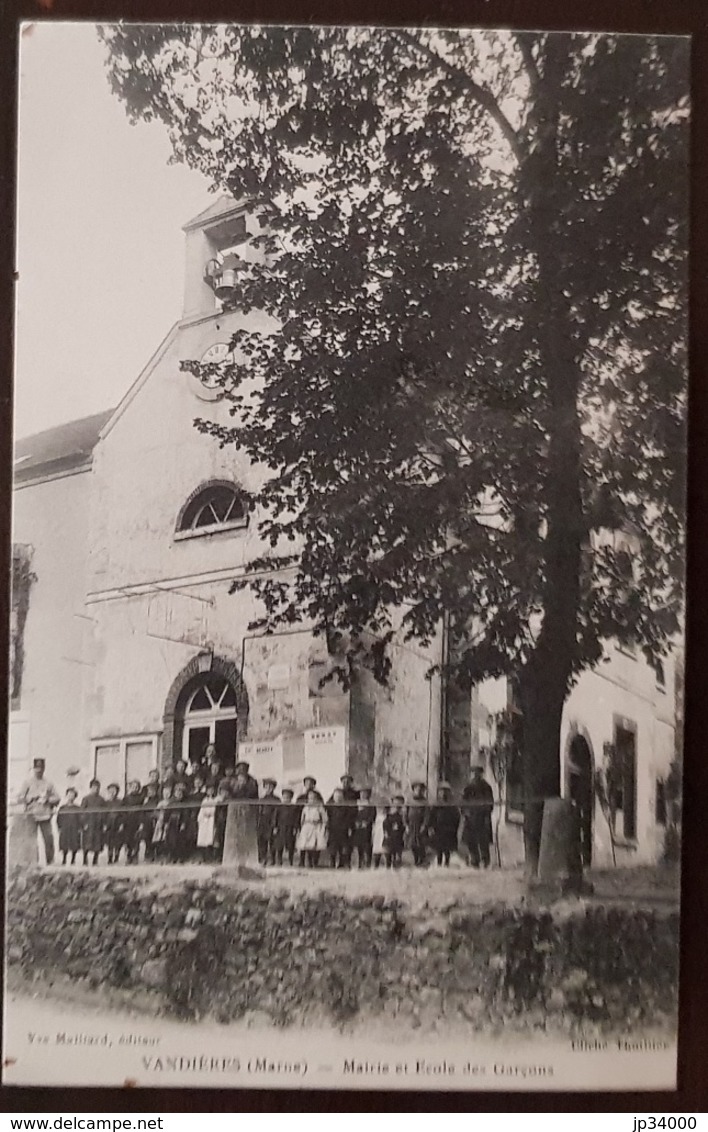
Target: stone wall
201	949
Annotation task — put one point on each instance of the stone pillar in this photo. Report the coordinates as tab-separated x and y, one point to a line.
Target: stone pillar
22	840
559	862
240	841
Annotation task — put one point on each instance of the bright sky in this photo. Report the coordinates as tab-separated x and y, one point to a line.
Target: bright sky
100	242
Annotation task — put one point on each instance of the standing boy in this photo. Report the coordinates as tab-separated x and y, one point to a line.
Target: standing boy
394	830
287	823
153	795
266	820
339	822
69	826
132	820
113	823
363	828
92	818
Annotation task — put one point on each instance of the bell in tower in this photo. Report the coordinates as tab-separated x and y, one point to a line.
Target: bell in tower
215	240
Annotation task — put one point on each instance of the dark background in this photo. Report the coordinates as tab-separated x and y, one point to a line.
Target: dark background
677	17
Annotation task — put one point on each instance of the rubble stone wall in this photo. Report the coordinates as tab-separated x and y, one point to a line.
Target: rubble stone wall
205	949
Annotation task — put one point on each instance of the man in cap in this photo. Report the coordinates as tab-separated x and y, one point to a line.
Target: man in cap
308	783
349	793
245	785
40	799
477	808
266	822
418	815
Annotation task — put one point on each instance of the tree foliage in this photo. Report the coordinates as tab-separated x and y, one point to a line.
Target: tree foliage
474	246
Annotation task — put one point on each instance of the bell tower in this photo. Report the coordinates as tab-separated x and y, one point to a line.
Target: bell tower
214	240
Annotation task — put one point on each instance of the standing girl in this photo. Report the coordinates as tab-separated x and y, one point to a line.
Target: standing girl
205	824
312	838
378	835
160	825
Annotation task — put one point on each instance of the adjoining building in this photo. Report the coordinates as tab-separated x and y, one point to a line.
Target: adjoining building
129	651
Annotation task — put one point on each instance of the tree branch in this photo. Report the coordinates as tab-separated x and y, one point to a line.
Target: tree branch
482	96
529	61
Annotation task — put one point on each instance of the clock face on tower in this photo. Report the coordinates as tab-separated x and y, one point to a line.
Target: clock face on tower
208	388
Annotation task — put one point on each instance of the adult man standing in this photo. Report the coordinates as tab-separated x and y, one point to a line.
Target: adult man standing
308	783
418	817
40	799
477	808
247	786
349	793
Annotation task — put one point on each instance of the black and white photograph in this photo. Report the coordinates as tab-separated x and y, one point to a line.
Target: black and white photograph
348	540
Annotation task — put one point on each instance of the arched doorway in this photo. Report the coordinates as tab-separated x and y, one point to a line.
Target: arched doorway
579	766
207	704
208	715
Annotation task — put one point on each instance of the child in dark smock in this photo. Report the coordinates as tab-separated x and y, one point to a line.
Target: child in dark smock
69	826
394	828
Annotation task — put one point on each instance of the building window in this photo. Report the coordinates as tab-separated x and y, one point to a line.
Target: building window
625	801
124	759
210	717
216	507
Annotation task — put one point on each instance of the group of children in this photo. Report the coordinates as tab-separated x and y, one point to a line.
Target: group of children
183	818
350	828
180	819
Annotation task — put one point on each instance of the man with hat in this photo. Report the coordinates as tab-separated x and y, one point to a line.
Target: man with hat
349	793
245	785
40	799
308	783
266	822
417	820
477	808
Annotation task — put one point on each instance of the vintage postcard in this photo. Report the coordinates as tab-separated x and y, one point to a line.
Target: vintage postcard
347	614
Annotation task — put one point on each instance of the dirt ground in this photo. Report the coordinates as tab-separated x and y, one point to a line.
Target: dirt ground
435	888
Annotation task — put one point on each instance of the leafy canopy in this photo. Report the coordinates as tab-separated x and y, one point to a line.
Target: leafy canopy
413	187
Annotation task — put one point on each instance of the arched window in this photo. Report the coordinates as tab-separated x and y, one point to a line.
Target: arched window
209	716
217	506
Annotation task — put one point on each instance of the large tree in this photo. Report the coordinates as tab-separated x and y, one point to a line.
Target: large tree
474	246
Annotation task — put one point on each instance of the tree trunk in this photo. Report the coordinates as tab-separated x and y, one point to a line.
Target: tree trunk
546	677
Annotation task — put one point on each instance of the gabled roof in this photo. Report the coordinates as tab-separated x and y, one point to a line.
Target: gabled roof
222	206
59	449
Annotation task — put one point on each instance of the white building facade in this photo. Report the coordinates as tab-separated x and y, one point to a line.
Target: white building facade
135	652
